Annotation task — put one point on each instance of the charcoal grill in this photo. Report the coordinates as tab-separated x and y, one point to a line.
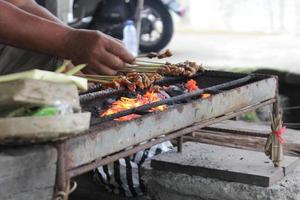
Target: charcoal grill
108	140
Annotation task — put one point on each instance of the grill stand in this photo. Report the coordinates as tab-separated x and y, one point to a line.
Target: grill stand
64	174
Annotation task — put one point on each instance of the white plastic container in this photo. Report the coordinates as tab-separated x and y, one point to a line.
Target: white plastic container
130	37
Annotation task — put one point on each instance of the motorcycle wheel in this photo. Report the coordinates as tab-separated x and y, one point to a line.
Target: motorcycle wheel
157	26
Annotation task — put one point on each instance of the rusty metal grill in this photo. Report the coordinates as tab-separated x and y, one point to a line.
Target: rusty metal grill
108	140
171	101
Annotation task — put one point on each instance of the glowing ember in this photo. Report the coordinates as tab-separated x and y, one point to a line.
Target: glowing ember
205	95
191	85
129	103
150	97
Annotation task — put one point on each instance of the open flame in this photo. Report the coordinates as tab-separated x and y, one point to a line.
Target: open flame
192	85
125	103
128	103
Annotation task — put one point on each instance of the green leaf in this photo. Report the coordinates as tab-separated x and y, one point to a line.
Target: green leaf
46	111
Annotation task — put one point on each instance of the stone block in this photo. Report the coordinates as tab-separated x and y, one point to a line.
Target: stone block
167	185
224	163
27	172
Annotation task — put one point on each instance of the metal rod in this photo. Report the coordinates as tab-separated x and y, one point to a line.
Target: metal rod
100	94
237	132
172	100
93	88
175	134
179	144
61	175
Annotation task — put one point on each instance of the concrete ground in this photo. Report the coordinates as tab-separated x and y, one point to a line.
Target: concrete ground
280	52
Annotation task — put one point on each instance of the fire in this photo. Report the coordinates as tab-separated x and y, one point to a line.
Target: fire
150	97
129	103
192	85
205	95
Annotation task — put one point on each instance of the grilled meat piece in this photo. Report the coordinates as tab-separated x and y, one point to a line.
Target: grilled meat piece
186	68
162	55
152	55
134	80
165	54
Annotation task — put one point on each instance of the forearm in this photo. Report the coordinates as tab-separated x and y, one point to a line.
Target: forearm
24	30
32	7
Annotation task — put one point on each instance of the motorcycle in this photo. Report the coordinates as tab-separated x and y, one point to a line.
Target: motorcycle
153	18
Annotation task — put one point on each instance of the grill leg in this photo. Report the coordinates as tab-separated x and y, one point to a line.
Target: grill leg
179	144
62	180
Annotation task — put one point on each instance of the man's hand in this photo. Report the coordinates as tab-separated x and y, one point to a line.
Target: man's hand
102	53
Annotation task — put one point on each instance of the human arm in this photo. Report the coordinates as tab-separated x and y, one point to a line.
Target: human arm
24	30
32	7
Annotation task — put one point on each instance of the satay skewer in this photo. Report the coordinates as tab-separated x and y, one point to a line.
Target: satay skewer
162	55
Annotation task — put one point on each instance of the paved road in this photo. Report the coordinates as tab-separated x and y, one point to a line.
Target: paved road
231	51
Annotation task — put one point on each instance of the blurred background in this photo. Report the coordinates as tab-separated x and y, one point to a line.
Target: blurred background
261	36
235	33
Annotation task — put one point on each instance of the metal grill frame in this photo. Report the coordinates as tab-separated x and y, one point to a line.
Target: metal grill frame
85	152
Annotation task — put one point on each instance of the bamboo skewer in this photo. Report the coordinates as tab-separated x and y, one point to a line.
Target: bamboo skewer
144	65
145	56
149	62
98	80
98	76
138	70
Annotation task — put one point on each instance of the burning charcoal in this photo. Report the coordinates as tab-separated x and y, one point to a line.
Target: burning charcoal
163	94
108	102
155	88
95	111
174	90
125	103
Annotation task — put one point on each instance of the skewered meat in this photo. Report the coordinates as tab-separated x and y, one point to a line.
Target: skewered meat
186	68
134	80
152	55
162	55
166	54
